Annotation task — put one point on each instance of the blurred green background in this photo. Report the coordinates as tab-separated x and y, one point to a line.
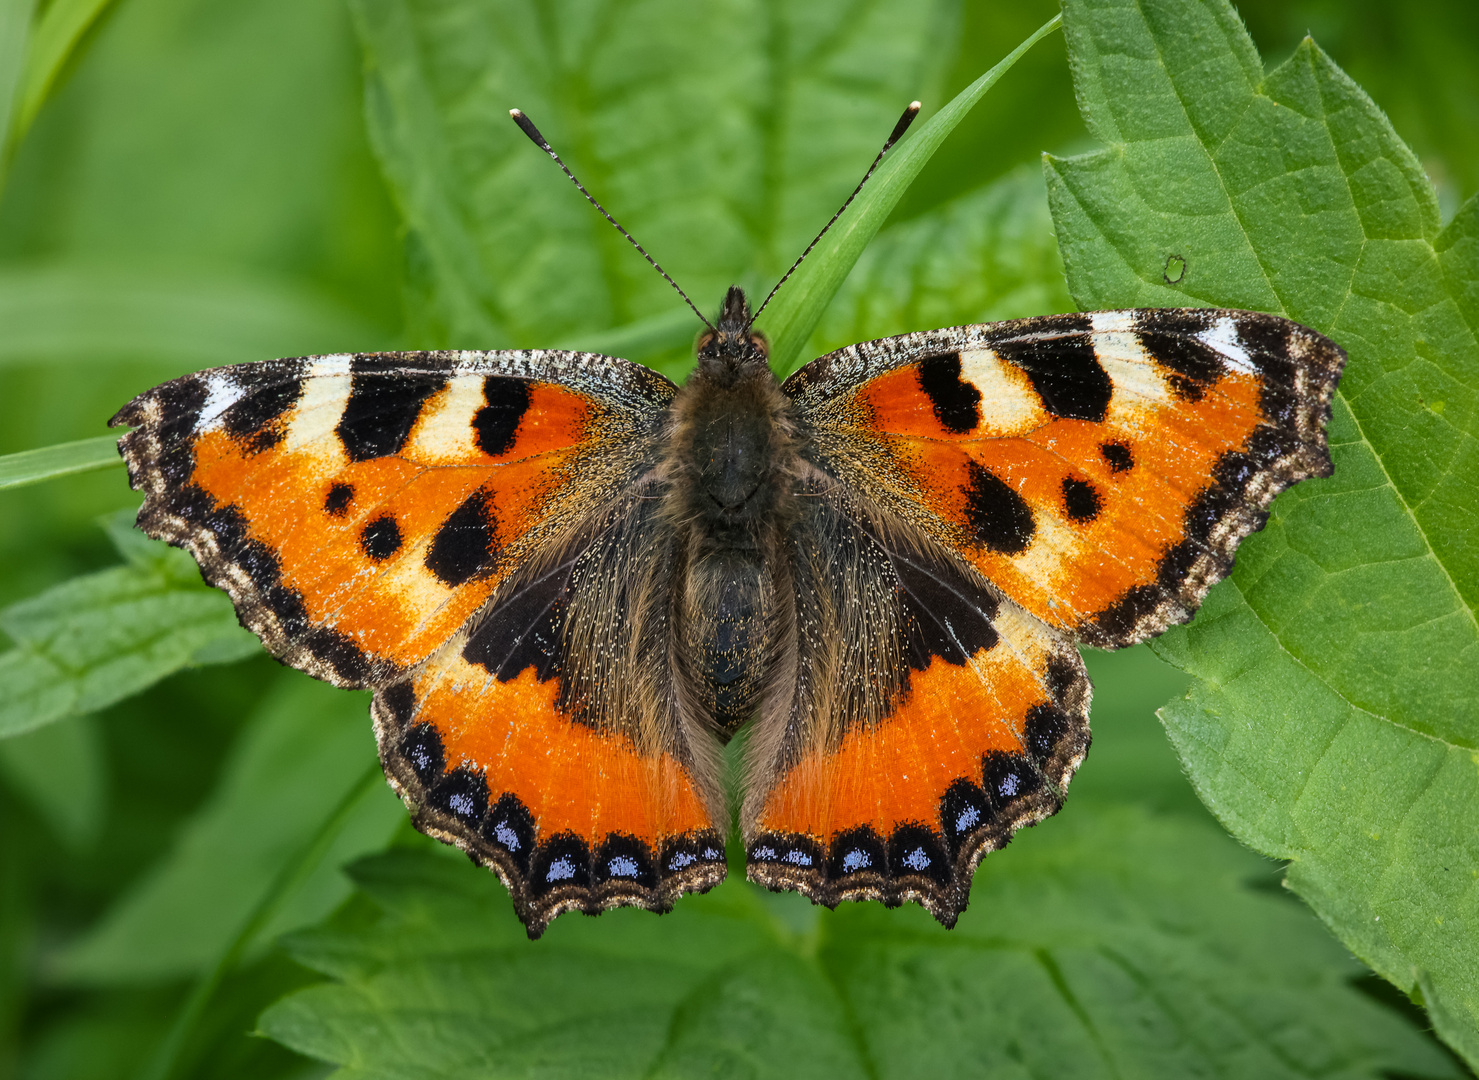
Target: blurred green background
199	189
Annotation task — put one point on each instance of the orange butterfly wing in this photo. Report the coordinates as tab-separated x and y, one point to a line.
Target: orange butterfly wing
1100	469
1072	478
383	520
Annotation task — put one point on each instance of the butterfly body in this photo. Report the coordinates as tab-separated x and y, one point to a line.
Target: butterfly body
570	582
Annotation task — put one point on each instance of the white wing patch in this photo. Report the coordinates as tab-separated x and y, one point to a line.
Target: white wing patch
1223	337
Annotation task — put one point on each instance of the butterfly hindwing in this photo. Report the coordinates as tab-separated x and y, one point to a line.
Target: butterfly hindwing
922	719
546	741
1098	468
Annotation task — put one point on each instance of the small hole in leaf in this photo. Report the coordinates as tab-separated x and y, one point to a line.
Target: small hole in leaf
1175	270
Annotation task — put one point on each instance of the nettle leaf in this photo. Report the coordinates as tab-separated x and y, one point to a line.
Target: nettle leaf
1116	944
1335	722
100	638
981	257
722	135
304	750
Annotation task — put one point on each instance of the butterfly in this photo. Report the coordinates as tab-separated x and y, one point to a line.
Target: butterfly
569	581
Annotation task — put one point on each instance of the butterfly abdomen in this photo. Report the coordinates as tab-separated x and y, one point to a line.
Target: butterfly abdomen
730	457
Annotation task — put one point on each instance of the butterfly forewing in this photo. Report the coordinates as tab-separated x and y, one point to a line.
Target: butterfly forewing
1101	468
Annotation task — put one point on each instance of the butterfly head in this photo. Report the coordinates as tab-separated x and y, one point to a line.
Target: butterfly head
730	342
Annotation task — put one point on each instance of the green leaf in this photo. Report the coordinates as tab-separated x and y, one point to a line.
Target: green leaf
724	167
64	459
15	34
983	256
108	314
1335	724
56	35
100	638
61	770
307	746
796	310
1116	944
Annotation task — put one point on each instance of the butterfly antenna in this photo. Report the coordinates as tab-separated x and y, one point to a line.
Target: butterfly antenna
902	126
527	127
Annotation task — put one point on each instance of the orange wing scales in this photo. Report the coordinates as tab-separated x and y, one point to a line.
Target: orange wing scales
1100	469
569	817
360	509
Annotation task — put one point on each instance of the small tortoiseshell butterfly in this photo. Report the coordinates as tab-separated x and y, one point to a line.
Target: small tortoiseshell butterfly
569	582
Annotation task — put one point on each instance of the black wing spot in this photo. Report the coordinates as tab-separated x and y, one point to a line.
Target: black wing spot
336	503
400	700
957	403
1194	367
1008	777
466	544
857	851
1000	519
946	616
496	423
461	793
1064	370
382	408
625	858
914	849
681	852
524	631
381	538
1080	499
339	652
786	849
422	747
267	398
963	810
562	860
510	826
1118	455
1046	727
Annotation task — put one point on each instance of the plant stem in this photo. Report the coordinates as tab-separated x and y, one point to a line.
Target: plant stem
292	875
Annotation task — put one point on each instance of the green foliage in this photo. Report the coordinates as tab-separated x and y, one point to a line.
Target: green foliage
97	639
280	783
724	170
981	257
199	190
1335	721
1081	955
64	459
